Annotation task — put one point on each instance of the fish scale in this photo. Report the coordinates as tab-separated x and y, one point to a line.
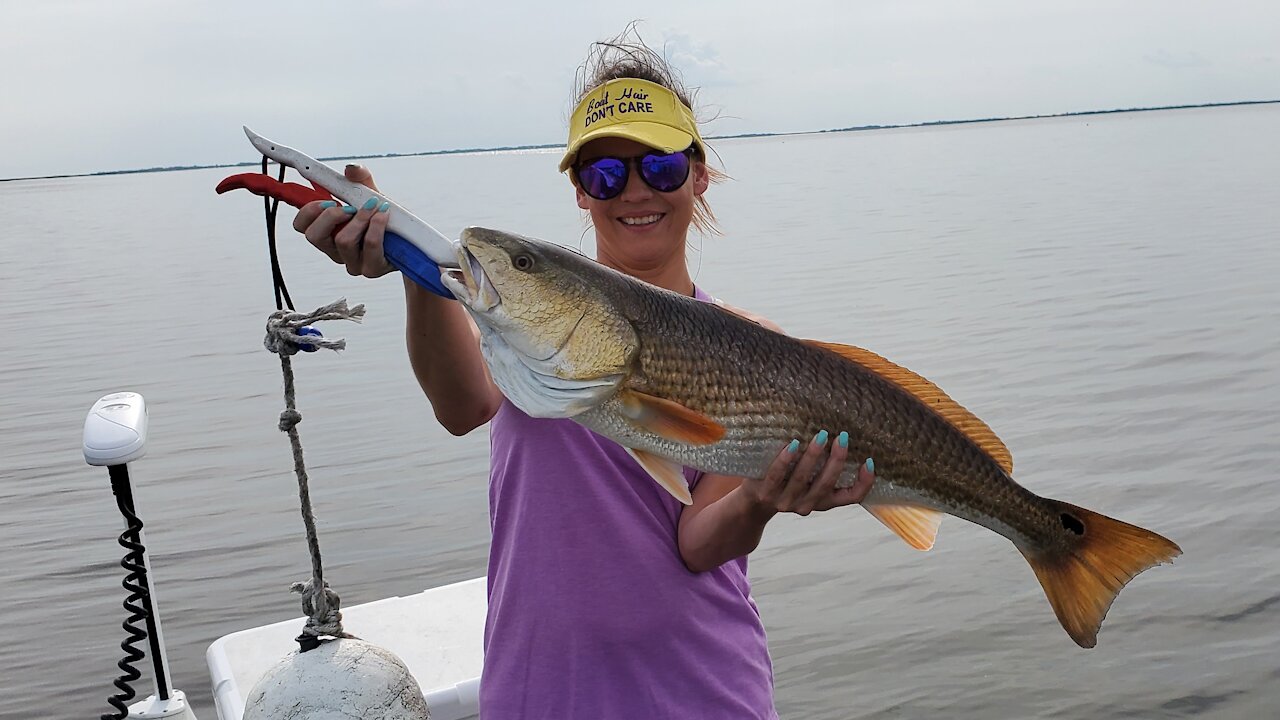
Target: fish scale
691	357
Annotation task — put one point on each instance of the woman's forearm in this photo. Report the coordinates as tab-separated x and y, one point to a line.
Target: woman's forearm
444	351
727	528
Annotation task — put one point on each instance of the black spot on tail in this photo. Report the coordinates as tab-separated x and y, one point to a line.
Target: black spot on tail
1072	523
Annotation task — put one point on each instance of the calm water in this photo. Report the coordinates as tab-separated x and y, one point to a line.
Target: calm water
1101	290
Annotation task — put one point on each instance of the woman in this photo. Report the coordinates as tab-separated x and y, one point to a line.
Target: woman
607	597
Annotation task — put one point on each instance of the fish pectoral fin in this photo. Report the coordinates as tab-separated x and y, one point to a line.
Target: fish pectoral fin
669	419
669	474
931	395
913	523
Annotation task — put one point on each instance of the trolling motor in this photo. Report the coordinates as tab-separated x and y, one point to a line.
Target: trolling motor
115	434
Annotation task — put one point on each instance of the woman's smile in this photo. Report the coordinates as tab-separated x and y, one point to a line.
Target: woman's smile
641	219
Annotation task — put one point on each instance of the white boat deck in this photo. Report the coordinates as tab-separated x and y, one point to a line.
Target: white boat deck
438	633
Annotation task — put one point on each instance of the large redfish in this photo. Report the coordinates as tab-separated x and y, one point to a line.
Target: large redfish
681	382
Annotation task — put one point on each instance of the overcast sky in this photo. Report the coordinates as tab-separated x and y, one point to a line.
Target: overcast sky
96	85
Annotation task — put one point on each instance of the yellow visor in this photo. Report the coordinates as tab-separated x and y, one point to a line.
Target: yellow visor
634	109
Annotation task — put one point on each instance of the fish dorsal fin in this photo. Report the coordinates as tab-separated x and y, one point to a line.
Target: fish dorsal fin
669	419
931	395
917	525
667	473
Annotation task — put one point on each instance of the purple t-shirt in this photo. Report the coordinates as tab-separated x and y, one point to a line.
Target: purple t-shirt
592	614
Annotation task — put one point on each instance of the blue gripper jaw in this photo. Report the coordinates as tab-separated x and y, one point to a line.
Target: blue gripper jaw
414	263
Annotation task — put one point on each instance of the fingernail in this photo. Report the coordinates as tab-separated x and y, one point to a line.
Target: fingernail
353	166
384	207
871	466
349	209
794	446
820	438
843	439
370	204
328	204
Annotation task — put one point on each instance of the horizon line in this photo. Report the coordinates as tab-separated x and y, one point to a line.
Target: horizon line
507	148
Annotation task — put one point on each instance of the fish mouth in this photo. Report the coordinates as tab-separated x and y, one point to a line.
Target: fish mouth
469	281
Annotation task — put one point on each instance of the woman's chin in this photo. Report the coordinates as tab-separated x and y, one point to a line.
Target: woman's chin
641	254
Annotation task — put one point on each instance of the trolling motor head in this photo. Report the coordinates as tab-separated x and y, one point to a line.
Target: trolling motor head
115	431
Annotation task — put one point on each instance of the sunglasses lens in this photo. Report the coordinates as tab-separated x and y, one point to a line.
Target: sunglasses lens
604	178
665	172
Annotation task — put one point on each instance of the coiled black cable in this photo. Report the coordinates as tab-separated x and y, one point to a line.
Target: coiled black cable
137	603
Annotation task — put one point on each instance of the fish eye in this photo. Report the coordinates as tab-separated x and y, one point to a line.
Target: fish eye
522	262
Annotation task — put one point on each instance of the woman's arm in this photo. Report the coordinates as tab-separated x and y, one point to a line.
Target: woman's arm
442	341
444	351
728	514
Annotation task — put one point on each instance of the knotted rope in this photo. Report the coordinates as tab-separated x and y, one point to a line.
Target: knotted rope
320	604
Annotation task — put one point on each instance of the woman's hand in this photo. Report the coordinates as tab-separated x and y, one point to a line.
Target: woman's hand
349	236
802	482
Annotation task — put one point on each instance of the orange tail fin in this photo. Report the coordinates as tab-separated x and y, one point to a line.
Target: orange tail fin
1100	556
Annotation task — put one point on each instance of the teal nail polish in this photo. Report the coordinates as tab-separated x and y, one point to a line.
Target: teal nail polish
843	439
328	204
384	207
794	446
871	466
349	209
370	204
821	438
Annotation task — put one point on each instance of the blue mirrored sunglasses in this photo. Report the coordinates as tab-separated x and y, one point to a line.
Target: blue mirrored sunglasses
604	178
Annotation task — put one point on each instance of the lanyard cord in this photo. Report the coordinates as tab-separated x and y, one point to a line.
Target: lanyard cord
288	332
271	205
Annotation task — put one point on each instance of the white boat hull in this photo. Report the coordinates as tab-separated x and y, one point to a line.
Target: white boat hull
438	633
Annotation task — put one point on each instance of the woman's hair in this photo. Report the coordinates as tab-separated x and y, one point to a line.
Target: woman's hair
627	56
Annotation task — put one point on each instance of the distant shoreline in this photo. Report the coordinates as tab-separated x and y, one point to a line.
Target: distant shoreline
853	128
